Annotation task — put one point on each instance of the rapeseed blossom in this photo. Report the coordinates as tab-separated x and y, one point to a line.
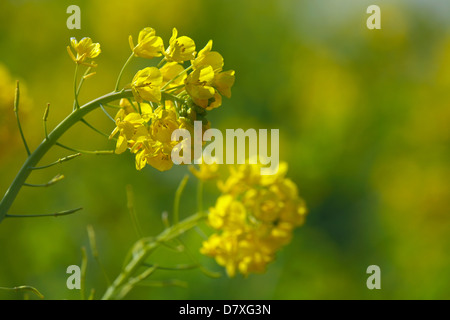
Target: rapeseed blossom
253	218
168	97
85	49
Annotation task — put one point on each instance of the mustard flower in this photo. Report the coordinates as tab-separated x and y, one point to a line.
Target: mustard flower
149	45
206	171
85	49
180	49
222	81
163	124
206	57
199	85
254	217
126	127
146	85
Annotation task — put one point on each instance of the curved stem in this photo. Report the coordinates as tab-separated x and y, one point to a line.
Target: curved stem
121	72
47	143
176	202
144	247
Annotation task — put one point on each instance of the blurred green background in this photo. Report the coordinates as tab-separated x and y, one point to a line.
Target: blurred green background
364	119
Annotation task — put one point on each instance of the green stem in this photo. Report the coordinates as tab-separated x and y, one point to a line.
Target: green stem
24	288
161	62
200	196
178	75
57	214
44	119
75	93
176	202
121	72
83	274
98	153
16	111
144	247
60	160
94	128
82	81
46	144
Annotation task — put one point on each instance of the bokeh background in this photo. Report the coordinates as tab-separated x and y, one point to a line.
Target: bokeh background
364	119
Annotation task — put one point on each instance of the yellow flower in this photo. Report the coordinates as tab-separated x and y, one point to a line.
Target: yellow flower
163	124
199	85
264	204
238	252
85	49
126	127
228	214
146	85
223	248
154	153
128	120
224	81
180	49
206	57
161	159
126	107
149	45
206	171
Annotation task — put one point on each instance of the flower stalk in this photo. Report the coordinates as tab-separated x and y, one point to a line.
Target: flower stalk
140	252
52	139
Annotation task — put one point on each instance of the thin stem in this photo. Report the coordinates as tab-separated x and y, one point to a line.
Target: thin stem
144	247
93	245
178	75
61	160
200	196
107	114
46	144
24	288
44	119
56	179
132	104
121	72
176	202
173	88
83	273
75	101
161	62
82	80
57	214
166	283
98	153
94	128
16	111
166	94
132	211
176	268
111	106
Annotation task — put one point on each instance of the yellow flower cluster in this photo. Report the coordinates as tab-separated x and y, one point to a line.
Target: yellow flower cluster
204	86
147	132
254	217
168	97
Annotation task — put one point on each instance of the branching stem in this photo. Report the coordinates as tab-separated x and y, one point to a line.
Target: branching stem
49	142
